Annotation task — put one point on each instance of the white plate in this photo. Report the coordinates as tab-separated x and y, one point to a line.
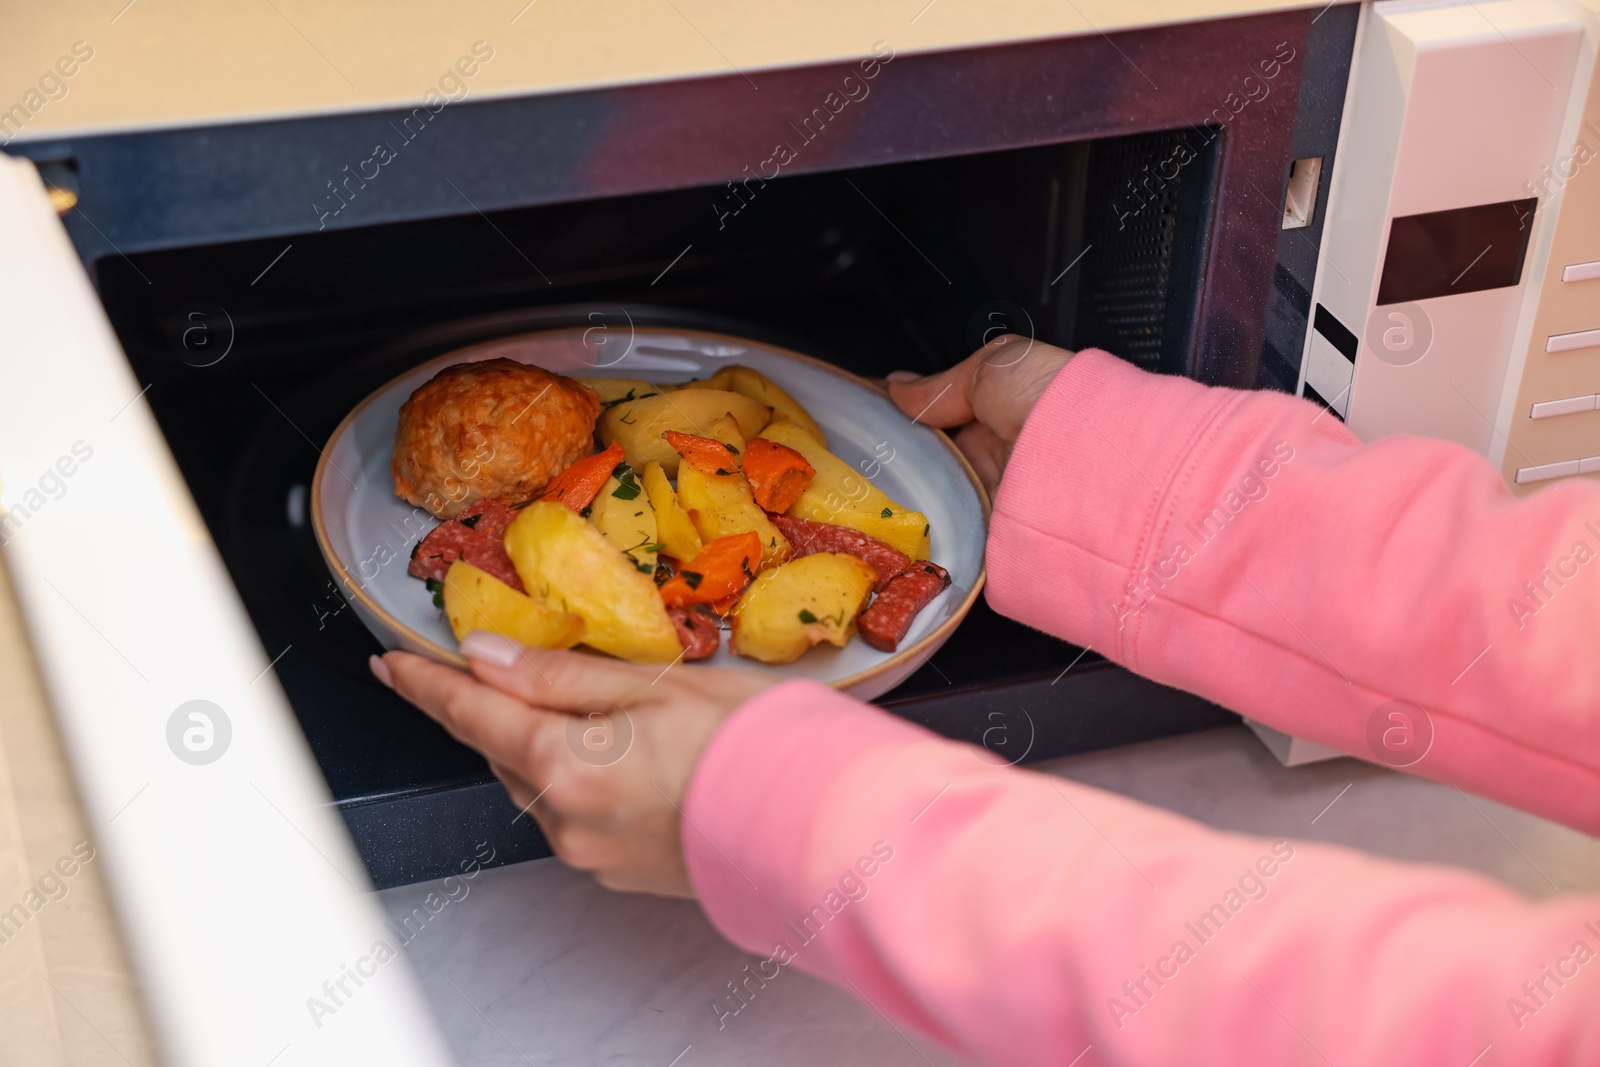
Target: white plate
366	532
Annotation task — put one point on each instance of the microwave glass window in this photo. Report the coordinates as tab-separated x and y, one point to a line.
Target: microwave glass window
1460	251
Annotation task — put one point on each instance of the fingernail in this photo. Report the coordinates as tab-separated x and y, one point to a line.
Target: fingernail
903	376
380	670
491	648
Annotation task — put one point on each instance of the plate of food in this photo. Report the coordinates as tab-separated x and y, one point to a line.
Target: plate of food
675	496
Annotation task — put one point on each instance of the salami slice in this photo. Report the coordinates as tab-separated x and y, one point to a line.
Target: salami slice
888	618
698	632
488	517
806	537
490	556
481	544
445	544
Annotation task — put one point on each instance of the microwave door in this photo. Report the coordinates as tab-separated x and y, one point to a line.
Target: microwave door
241	899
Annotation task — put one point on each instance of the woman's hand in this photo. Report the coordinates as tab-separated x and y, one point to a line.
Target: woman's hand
600	752
989	395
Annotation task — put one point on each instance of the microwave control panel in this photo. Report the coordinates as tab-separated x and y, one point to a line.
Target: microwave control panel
1459	293
1552	425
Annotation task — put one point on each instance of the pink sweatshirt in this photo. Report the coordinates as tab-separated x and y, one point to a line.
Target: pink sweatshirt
1245	547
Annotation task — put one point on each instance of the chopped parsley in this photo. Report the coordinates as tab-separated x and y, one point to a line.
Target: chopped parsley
693	578
827	620
926	527
886	514
723	472
585	512
929	569
606	404
470	521
436	587
644	566
629	487
730	448
663	572
627	421
415	549
657	547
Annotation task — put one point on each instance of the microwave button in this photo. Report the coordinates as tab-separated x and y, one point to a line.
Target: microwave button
1551	408
1546	471
1566	342
1581	272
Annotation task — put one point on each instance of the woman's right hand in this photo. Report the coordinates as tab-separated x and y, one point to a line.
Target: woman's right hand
988	395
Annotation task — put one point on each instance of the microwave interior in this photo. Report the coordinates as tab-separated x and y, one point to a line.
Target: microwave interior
253	350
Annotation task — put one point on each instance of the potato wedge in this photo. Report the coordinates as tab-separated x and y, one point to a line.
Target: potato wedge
725	428
638	424
802	603
477	600
623	513
844	497
568	562
720	505
676	533
749	382
613	390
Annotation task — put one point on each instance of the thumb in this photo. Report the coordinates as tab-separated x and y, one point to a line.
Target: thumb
943	399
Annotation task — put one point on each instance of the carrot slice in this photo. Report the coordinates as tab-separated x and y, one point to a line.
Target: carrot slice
721	570
777	474
580	483
706	453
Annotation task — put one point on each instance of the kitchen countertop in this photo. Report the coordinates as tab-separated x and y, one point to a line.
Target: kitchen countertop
538	964
162	63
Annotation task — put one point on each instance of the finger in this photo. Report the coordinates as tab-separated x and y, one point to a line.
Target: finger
532	801
553	678
522	791
985	451
943	399
1013	373
500	726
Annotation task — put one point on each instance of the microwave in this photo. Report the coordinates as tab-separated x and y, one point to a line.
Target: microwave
1292	201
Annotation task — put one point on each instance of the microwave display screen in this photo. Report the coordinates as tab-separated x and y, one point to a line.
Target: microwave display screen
1459	251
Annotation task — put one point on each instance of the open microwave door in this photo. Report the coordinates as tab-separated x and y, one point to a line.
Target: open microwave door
243	904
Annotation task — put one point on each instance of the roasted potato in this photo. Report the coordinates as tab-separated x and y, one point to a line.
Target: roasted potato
566	561
844	497
677	534
623	513
477	600
613	390
802	603
758	387
638	424
720	505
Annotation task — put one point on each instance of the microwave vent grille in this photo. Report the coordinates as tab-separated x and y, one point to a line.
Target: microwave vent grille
1134	225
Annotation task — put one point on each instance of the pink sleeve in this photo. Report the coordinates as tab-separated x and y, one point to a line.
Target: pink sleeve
1021	919
1246	547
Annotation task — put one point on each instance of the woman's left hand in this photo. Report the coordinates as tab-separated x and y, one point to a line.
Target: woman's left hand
599	751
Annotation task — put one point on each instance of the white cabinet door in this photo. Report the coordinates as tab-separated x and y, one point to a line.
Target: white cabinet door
243	903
